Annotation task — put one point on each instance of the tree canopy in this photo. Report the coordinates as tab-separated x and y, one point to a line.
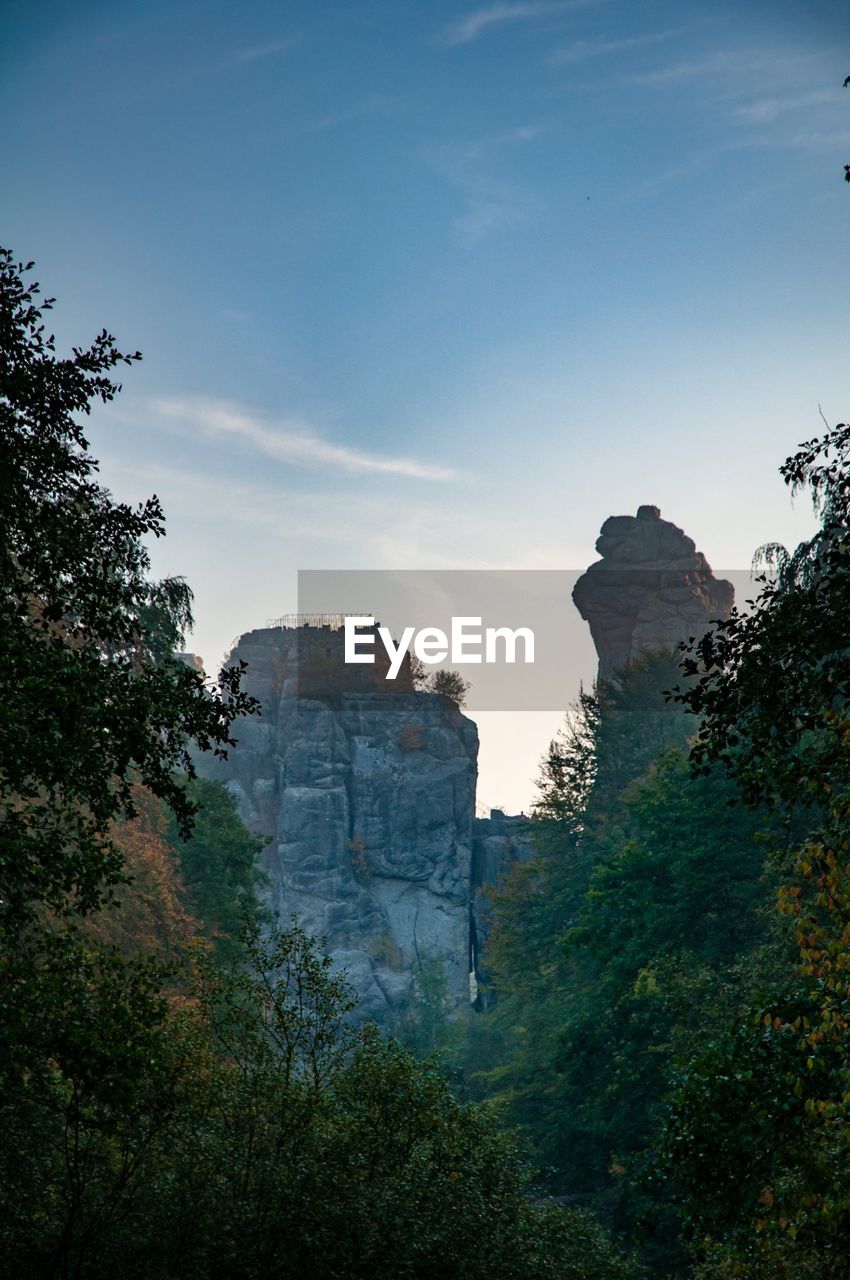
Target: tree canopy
177	1101
94	701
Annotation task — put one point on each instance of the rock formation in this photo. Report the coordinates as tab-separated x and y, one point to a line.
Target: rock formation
651	590
367	800
365	789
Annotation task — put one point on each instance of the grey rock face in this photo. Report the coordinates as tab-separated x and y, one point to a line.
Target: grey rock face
367	800
651	590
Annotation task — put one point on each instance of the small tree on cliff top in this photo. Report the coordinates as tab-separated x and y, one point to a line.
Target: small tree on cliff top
451	685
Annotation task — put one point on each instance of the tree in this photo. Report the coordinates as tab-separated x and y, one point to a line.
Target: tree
418	673
764	683
179	1123
218	866
91	1075
773	690
96	722
451	685
178	892
618	947
94	701
339	1154
257	1134
148	914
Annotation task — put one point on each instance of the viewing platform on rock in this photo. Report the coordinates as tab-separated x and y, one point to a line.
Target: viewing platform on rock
323	621
303	656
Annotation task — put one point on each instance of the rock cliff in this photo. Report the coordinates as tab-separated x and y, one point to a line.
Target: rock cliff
651	589
365	789
367	800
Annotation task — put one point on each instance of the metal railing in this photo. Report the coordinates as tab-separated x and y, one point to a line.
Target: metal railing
292	621
333	621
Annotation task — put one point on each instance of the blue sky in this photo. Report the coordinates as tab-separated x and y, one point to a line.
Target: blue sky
431	285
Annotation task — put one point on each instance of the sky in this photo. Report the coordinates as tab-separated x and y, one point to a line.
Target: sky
425	285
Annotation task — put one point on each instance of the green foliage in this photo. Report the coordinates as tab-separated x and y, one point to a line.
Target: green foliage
257	1134
769	1105
649	989
218	867
685	878
768	682
618	947
418	672
450	684
184	1123
430	1024
637	723
755	1148
93	701
610	739
89	1079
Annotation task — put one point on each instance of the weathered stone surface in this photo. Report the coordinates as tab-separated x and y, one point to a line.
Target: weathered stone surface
367	797
367	801
651	590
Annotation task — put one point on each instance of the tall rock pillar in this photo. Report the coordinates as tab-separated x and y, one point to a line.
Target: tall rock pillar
651	590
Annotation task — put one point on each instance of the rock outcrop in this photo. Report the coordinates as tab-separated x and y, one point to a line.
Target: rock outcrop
651	590
367	800
365	789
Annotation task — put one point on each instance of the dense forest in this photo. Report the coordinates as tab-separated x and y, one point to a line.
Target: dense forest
660	1085
671	1031
184	1092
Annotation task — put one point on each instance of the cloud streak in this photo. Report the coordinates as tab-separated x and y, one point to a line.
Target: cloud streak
717	64
367	530
766	110
492	203
493	207
583	50
732	63
294	444
375	104
264	50
497	15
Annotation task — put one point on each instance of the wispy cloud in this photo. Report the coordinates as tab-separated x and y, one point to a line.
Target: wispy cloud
292	443
492	202
264	50
462	157
497	15
582	50
493	207
815	141
766	110
731	62
717	64
375	105
523	133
